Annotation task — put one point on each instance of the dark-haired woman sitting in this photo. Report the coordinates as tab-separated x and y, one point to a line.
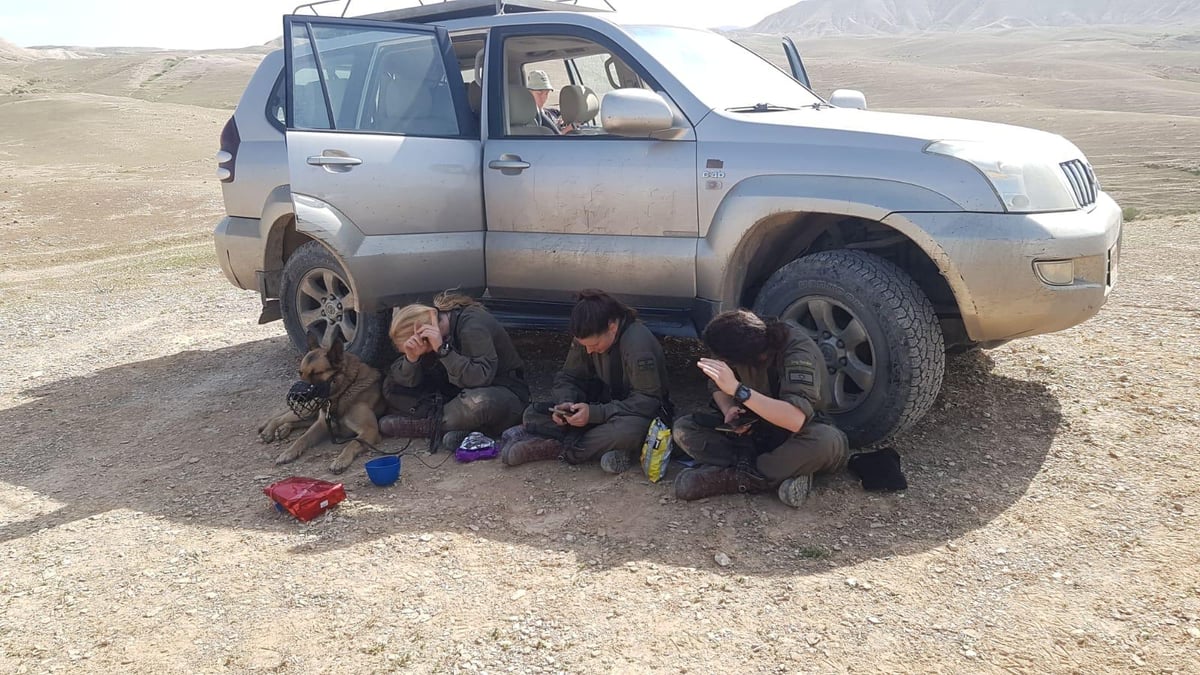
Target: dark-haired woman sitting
767	381
610	388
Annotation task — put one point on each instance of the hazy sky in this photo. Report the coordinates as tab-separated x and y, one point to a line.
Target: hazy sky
208	24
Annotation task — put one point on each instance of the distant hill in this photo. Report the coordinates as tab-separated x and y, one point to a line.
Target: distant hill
867	17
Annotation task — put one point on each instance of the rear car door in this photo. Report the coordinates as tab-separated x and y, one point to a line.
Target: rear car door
384	155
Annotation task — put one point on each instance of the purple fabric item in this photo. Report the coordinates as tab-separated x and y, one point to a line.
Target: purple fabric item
464	455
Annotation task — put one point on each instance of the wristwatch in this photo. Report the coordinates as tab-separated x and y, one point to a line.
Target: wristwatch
444	349
742	394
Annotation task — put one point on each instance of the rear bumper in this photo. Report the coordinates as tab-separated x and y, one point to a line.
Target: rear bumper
239	247
988	260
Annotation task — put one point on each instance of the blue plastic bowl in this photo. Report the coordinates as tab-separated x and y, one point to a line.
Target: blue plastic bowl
383	471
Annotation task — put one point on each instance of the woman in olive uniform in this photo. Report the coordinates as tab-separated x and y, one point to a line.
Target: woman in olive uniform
457	350
767	380
611	387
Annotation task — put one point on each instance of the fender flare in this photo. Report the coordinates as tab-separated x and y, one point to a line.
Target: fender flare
756	206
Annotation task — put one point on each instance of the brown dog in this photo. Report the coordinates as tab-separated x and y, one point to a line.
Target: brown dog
355	402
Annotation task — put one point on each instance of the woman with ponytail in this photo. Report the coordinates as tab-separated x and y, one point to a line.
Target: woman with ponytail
767	378
457	350
614	382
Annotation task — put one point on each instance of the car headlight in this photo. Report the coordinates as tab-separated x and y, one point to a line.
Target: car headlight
1026	182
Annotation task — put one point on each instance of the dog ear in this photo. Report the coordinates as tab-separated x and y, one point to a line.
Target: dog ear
335	352
314	339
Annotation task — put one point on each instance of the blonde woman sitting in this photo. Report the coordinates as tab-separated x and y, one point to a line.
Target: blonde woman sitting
457	350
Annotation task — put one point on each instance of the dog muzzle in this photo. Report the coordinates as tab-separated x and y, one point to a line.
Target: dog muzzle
305	398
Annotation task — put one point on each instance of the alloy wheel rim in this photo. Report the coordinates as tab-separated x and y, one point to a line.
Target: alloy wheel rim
326	305
844	342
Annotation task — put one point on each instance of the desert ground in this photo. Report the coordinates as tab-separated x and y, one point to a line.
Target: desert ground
1050	524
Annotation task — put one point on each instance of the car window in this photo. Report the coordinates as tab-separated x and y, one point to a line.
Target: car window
555	85
387	81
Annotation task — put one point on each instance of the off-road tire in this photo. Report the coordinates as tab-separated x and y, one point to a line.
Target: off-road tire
370	339
904	336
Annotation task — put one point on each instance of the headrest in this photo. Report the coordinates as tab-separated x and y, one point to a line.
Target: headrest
475	97
522	111
479	66
578	104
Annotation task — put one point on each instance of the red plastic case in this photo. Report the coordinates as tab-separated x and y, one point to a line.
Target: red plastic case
305	498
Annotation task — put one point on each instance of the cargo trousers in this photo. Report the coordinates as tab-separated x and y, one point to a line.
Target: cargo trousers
489	410
587	444
816	448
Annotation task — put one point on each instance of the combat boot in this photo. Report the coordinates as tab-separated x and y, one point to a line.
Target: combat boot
399	426
793	491
512	435
532	449
452	439
710	481
616	461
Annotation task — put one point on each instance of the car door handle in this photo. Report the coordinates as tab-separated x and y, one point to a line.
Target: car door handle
332	160
508	163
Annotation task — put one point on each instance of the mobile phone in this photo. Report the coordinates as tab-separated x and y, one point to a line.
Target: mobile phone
740	421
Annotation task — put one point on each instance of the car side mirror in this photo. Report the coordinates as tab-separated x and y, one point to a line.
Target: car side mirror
635	113
848	98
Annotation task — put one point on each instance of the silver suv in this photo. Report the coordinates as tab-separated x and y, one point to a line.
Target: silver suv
377	160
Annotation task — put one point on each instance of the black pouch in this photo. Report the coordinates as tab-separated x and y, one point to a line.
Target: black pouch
879	471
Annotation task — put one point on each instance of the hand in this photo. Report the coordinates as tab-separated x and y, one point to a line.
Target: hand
580	414
733	413
414	348
720	373
560	413
432	335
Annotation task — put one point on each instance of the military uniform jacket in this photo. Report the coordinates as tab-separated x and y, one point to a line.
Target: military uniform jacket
481	355
795	374
643	372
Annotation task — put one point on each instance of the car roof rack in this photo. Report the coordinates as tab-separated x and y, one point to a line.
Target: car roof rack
429	11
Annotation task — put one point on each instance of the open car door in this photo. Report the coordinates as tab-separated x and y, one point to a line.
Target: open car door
384	156
795	62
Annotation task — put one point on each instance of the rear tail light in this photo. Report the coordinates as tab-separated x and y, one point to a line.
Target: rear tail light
227	155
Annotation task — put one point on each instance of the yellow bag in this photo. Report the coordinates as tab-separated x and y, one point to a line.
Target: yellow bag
656	450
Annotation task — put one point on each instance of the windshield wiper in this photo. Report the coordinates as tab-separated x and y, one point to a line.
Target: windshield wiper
759	108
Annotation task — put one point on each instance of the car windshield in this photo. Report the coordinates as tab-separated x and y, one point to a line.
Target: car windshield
720	72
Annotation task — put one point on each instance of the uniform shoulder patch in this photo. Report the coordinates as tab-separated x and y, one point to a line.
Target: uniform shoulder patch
804	376
646	363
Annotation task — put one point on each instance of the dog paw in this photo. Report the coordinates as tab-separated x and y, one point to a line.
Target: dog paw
287	456
339	465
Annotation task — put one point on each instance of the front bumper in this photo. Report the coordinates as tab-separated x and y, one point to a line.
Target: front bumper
239	247
988	260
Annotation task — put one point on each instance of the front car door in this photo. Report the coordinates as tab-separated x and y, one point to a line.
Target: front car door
585	208
795	63
384	156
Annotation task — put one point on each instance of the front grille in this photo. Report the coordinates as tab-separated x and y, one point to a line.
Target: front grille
1082	180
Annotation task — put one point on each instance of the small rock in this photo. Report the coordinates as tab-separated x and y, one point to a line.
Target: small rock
874	619
193	460
519	594
852	582
426	538
722	559
1194	632
812	639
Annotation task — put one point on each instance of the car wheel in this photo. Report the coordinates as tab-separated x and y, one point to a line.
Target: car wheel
883	346
316	295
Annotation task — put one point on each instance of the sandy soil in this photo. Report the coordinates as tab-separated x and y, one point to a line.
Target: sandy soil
1050	524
